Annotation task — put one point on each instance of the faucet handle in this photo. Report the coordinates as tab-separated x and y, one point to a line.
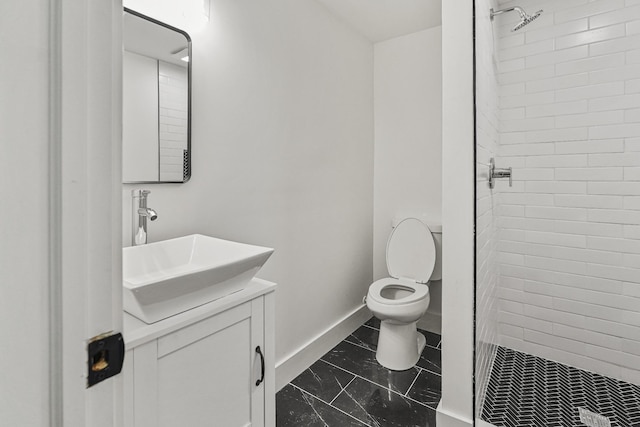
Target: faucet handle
140	193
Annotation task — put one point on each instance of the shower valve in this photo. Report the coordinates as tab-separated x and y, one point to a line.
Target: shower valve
495	173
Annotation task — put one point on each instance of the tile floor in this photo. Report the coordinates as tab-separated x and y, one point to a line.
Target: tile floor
348	387
526	390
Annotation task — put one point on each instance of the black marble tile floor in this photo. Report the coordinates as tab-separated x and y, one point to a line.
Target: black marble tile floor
348	387
526	390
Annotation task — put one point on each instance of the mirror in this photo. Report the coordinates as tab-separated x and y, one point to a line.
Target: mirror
156	84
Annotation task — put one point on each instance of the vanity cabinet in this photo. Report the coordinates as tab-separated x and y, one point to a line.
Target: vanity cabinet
215	370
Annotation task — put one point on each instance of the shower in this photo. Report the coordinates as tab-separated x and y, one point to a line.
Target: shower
525	18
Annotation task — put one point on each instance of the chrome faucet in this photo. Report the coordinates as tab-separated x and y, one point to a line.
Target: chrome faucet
140	214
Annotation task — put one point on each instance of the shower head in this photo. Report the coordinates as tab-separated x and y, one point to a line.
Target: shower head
525	18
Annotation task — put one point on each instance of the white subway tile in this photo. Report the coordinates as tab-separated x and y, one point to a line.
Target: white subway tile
510	330
633	232
557	56
556	135
590	201
512	113
633	27
621	73
587	10
524	321
512	65
615	245
525	100
614	17
557	108
613	216
587	336
633	56
527	124
589	174
615	102
533	174
633	261
556	187
523	76
558	161
597	146
552	212
612	46
590	92
554	264
632	115
526	199
632	86
631	347
615	329
591	36
554	316
588	229
525	50
557	30
563	82
526	149
632	144
632	203
588	310
615	273
590	64
615	159
590	119
570	240
632	290
511	89
554	342
619	188
612	356
512	138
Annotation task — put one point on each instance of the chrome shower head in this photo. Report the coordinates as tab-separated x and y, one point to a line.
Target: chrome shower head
525	18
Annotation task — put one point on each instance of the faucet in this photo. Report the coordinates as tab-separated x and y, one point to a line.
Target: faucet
140	214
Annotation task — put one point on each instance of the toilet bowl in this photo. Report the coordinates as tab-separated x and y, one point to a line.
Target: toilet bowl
401	300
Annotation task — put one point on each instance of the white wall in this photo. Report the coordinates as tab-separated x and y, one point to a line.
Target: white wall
487	237
282	155
570	239
140	117
24	231
455	408
408	138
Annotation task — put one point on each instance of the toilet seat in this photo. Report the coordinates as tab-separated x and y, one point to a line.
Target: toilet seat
420	291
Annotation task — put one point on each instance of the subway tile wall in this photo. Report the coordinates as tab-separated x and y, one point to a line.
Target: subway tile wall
487	121
172	86
569	228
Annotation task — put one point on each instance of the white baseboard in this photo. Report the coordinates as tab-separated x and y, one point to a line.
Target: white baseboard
448	419
292	365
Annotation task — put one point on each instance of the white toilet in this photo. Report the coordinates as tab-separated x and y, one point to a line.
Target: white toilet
401	300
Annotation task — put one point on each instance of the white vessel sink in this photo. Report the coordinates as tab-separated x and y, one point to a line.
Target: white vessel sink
172	276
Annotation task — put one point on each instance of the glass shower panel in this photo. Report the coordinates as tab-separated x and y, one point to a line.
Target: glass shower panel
558	249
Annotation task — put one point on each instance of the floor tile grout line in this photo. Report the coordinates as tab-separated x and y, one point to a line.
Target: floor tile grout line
381	386
413	382
328	404
340	392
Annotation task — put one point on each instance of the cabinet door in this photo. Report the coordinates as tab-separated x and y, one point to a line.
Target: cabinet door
204	374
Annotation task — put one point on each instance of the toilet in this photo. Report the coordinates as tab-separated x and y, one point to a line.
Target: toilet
401	300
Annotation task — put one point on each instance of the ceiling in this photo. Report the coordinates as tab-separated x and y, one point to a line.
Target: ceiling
380	20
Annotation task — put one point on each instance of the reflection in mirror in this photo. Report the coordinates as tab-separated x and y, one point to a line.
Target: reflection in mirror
156	101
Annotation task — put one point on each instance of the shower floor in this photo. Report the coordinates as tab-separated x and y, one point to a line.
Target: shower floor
526	390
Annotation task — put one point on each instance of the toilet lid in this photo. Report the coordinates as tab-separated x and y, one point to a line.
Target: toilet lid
411	251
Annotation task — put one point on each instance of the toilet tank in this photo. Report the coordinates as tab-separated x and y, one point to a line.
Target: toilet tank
436	231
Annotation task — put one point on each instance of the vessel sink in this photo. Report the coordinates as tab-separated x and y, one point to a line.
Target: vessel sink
169	277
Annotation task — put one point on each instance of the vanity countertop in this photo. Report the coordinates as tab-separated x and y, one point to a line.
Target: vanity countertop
136	332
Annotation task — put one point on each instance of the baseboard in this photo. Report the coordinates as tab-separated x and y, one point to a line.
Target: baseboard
292	365
447	419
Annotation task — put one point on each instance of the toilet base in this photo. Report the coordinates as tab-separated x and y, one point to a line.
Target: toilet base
399	346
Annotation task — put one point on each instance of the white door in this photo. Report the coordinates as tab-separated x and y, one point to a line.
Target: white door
60	231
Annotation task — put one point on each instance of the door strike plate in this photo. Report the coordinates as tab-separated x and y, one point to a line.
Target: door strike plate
105	355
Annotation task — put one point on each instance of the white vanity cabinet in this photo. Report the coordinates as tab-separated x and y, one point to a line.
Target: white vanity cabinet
202	367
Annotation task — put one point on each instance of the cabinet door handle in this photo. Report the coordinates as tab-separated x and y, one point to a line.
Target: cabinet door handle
261	365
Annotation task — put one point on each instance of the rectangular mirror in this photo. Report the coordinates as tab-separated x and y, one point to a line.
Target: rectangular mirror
156	143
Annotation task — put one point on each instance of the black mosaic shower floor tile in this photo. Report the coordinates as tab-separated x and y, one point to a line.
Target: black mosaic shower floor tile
348	387
526	390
